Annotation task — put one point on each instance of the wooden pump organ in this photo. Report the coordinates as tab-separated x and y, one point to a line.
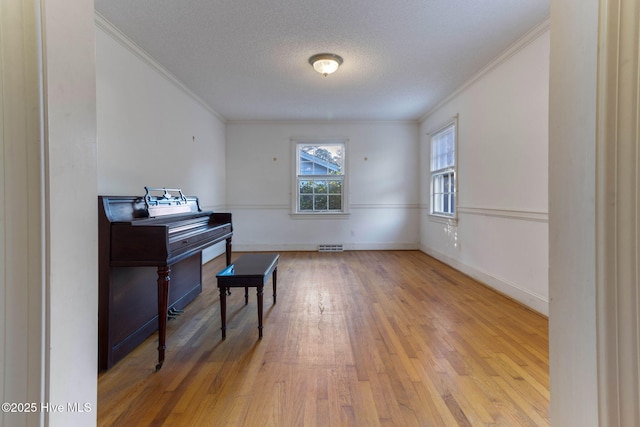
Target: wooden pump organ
154	239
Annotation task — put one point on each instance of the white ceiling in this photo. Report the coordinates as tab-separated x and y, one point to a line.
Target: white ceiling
248	59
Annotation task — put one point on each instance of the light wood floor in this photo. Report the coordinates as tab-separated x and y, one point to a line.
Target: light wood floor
363	338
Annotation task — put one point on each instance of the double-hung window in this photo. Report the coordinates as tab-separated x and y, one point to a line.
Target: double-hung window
320	177
443	170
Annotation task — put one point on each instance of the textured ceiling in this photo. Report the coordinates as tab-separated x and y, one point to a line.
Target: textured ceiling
248	59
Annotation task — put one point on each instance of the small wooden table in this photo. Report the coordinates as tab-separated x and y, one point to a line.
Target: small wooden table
249	270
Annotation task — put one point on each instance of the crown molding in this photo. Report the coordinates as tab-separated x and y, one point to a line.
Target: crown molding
516	47
117	35
318	122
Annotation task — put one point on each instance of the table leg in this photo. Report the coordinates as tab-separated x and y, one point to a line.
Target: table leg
246	295
259	290
274	278
223	311
163	302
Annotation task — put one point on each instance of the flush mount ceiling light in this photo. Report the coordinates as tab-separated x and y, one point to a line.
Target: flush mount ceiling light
325	63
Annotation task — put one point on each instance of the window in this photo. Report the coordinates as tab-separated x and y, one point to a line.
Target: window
320	177
443	170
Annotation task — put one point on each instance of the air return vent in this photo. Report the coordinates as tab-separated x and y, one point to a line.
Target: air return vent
330	248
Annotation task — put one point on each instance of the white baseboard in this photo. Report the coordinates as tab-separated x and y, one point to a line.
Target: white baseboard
284	247
532	300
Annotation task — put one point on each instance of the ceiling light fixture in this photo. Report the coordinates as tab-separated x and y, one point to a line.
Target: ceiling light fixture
325	63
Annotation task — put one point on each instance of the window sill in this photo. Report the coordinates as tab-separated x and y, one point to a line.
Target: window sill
320	215
444	219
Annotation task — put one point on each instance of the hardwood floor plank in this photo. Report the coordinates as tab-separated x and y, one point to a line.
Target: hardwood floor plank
380	338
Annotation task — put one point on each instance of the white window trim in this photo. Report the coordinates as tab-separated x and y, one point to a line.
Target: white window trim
438	216
295	214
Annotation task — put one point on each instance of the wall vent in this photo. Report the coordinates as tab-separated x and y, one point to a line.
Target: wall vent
330	248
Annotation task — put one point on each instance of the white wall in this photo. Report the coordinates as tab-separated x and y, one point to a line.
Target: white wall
382	169
501	234
573	338
22	333
151	130
71	214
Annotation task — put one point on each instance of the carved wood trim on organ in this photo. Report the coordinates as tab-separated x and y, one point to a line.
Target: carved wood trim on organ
135	250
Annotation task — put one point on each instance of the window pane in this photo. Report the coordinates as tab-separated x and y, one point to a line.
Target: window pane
320	203
443	193
306	187
321	159
443	149
335	187
306	167
321	187
437	184
437	202
335	203
446	183
306	203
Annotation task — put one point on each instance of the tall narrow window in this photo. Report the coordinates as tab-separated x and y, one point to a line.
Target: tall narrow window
320	177
443	170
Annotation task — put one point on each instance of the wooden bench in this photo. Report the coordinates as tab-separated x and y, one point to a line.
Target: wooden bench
249	270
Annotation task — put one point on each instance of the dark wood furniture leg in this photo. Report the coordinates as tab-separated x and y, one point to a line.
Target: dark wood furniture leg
228	258
163	302
259	290
223	311
275	278
228	251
